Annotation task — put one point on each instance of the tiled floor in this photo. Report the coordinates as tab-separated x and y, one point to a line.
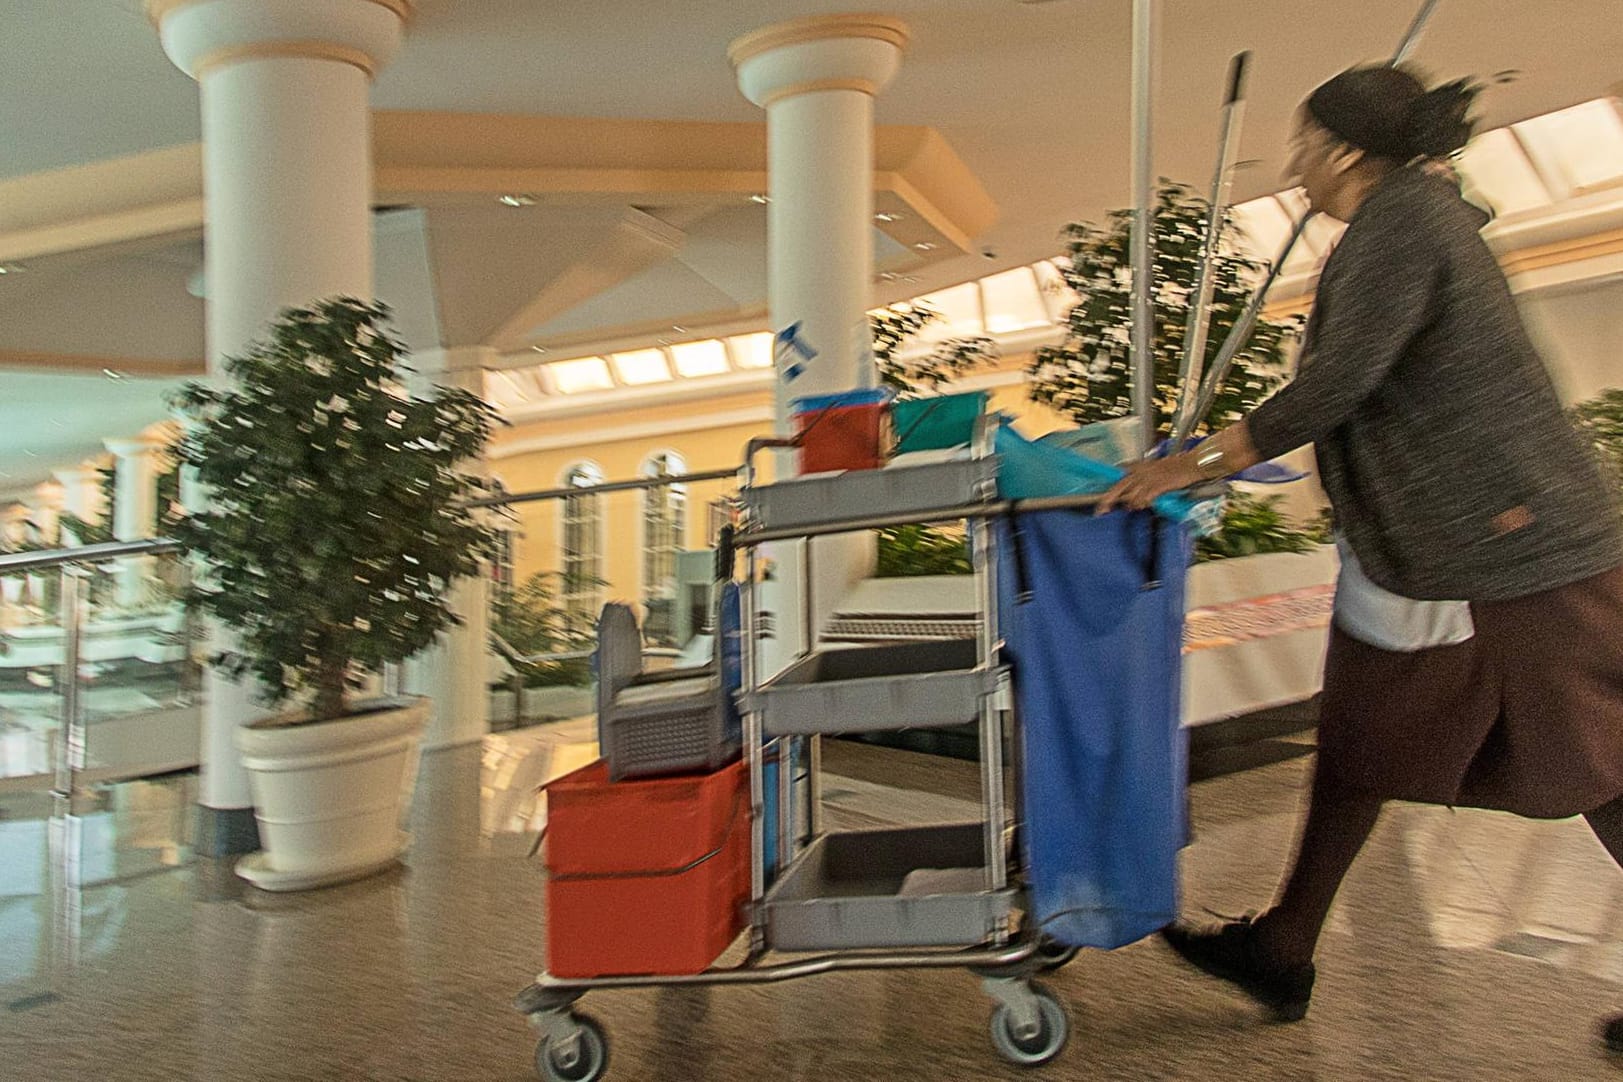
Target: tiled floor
1466	946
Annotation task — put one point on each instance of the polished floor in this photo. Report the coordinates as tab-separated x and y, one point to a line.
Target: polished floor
1466	946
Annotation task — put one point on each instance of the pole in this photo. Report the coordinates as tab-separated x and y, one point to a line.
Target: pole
1416	29
1194	356
1143	352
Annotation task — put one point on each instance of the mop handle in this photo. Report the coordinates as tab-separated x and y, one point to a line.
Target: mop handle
1194	355
1416	28
1242	329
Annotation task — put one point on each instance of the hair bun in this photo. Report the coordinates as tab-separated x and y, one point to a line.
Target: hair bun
1439	122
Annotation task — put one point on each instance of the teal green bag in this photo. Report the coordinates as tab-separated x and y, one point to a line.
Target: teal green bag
932	424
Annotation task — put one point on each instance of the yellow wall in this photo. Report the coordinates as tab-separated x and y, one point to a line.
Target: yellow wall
593	438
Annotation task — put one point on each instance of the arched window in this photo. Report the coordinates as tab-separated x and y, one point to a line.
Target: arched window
664	530
582	563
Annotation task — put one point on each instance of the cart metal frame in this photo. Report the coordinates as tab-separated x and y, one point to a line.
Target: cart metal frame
1029	1025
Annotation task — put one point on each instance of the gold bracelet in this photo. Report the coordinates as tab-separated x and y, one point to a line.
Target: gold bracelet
1209	462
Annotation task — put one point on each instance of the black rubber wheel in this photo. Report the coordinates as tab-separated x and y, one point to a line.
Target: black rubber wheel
1053	955
1032	1049
585	1062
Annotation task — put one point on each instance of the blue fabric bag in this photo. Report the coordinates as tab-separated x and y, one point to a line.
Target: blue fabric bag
1092	610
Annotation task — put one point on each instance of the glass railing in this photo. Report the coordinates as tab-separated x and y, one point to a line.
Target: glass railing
569	550
98	672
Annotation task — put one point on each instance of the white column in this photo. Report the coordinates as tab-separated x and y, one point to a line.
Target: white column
455	672
287	180
81	496
816	78
135	508
49	502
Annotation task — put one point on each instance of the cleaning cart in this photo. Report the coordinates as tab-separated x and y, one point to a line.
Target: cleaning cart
945	895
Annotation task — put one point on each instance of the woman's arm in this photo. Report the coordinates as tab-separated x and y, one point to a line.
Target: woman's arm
1225	454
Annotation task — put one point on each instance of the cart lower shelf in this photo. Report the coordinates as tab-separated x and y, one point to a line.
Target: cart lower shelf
897	887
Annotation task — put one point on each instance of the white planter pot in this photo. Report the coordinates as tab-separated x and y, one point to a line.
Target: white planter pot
331	797
1268	666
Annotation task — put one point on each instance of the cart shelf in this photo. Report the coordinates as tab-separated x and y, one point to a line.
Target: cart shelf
898	887
810	502
876	688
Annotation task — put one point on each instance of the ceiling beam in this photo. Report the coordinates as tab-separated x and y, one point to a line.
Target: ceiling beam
133	367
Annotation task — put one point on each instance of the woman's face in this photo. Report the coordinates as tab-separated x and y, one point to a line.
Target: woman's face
1317	161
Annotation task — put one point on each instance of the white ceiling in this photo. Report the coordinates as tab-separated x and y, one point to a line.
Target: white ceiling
1032	97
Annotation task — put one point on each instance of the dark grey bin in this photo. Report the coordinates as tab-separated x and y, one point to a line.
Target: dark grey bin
876	688
857	494
846	892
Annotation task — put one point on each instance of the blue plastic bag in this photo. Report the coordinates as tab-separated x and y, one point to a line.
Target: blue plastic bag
1028	470
1092	610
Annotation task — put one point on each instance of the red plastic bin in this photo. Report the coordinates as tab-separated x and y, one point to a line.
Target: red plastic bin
844	431
646	877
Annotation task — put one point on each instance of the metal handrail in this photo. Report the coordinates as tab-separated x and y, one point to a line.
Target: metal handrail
70	564
608	486
44	559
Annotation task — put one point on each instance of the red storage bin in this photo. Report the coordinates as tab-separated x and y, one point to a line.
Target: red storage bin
646	877
842	431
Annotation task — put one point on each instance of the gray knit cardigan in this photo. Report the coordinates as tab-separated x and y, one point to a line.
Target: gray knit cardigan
1451	467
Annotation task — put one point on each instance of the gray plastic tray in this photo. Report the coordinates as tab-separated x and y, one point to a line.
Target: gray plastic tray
875	688
846	891
855	494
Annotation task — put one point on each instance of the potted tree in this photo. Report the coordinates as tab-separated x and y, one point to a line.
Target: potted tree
337	517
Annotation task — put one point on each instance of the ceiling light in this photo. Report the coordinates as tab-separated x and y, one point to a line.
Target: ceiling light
516	200
886	216
924	246
759	198
112	374
886	276
539	349
678	328
12	268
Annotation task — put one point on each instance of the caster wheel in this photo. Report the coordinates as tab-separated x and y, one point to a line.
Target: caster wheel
1037	1047
584	1061
1053	955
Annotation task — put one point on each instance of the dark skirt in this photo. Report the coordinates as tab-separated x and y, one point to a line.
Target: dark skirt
1525	717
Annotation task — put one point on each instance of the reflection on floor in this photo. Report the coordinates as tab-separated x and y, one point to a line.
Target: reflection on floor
1466	946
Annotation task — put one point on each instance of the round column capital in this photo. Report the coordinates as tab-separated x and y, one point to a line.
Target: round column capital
822	52
204	35
82	474
134	446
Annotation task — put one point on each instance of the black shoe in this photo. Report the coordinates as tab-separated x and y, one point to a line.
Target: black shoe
1612	1033
1228	952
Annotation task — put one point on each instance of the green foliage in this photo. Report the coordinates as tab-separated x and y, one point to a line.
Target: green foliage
950	360
533	619
1088	376
1254	526
337	514
1600	419
906	551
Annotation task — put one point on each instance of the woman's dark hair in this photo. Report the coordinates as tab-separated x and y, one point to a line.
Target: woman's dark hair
1388	113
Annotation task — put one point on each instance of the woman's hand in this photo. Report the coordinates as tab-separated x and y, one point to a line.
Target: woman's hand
1151	478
